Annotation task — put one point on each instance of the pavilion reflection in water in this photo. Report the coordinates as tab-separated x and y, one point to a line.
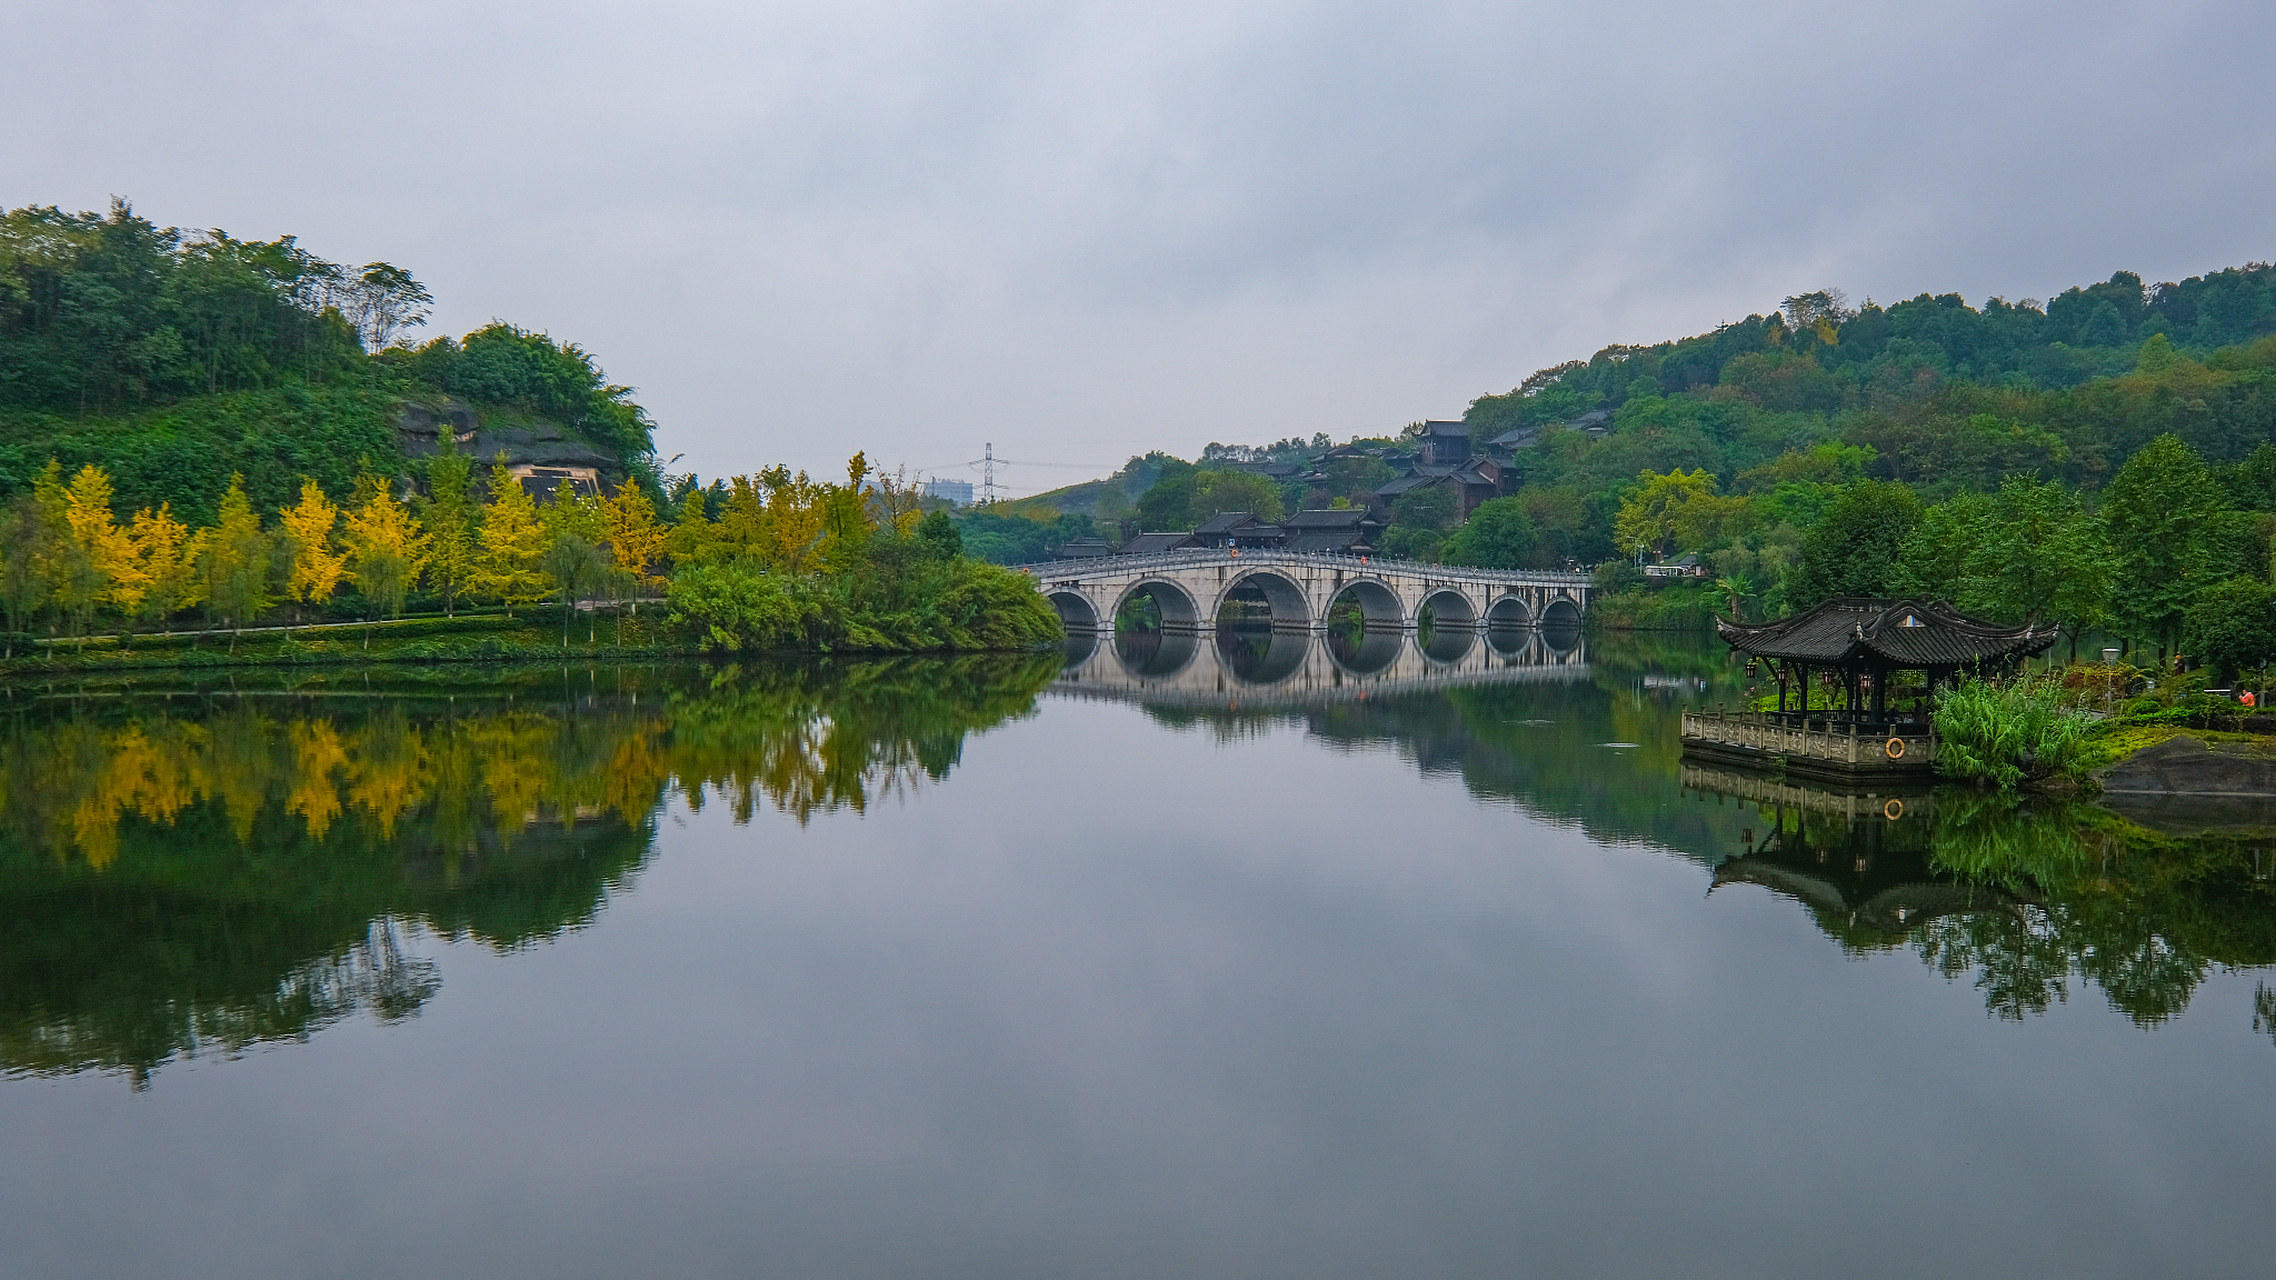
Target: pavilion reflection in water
1860	861
2028	901
1233	667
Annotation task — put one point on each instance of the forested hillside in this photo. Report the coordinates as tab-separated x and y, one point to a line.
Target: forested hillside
174	359
2104	460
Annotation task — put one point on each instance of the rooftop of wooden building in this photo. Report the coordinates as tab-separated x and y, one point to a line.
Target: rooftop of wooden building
1912	632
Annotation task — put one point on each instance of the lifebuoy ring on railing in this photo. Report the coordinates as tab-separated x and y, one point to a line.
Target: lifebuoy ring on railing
1895	749
1893	810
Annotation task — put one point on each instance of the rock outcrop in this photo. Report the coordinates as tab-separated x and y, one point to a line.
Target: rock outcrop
419	428
2192	767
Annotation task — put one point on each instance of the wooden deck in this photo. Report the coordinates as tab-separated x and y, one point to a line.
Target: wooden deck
1831	749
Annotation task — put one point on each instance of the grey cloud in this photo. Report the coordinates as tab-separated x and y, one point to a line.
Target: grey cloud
1081	229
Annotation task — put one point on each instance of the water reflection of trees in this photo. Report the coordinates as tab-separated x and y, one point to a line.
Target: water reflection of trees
200	873
2027	902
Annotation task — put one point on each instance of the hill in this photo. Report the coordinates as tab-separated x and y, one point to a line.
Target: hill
174	359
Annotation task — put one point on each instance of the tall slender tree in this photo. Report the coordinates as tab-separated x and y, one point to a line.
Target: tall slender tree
168	552
237	561
386	548
2159	509
509	544
450	518
317	566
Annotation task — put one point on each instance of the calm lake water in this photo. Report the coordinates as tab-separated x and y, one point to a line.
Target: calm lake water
1247	957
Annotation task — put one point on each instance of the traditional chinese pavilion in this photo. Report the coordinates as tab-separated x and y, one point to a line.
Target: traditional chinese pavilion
1854	648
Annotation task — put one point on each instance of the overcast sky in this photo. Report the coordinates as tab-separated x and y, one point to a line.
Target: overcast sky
1083	230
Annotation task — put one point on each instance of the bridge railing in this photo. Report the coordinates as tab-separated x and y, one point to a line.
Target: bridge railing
1205	557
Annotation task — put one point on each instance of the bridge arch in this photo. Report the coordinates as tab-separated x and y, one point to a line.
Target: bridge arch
1511	644
1449	609
1076	612
1253	658
1561	612
1371	654
1446	645
1290	610
1380	608
1180	611
1509	611
1155	655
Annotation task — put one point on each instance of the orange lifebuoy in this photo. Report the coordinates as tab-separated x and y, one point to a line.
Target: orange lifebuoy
1895	749
1893	810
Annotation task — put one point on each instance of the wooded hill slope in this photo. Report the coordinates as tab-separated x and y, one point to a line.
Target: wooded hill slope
174	359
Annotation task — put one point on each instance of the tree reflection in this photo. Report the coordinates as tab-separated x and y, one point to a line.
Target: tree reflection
2028	901
198	874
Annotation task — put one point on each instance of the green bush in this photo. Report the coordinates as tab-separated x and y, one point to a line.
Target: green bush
2005	733
896	605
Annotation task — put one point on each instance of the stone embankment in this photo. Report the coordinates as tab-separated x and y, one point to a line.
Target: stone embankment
2187	786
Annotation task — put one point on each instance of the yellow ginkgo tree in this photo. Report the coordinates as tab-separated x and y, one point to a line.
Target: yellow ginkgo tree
634	537
386	548
509	544
98	559
316	565
166	552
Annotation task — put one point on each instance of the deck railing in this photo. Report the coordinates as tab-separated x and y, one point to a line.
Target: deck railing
1266	557
1855	745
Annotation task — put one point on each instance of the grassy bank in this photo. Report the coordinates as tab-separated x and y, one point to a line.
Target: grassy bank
475	638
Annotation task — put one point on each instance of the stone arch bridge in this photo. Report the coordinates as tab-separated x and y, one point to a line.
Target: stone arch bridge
1191	589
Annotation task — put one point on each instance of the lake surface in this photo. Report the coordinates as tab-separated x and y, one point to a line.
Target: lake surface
1243	957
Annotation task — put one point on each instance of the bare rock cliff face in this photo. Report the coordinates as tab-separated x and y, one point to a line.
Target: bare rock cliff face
419	428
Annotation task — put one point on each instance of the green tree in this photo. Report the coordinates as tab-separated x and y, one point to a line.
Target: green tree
1167	504
509	544
1420	518
26	550
449	516
386	548
940	535
1853	550
578	567
1650	516
2042	557
2157	511
237	561
1217	492
1498	535
2231	626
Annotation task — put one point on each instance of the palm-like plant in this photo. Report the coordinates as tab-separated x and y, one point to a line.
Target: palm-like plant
1737	589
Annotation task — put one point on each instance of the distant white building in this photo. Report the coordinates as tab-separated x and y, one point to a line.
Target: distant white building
958	492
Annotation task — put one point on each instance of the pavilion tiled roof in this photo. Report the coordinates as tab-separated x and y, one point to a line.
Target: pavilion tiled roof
1911	632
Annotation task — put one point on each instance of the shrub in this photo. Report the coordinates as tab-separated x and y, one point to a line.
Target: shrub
2005	733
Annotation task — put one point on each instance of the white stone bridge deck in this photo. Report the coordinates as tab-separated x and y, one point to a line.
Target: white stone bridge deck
1191	589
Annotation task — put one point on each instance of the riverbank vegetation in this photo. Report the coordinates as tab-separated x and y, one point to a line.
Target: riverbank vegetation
788	562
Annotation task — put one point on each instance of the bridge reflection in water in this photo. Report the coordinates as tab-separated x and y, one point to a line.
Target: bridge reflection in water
1261	667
